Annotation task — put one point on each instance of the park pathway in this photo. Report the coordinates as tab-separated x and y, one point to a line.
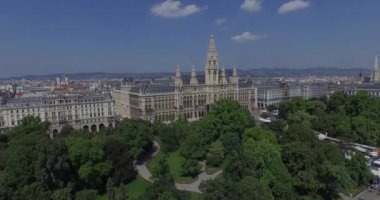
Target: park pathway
141	166
142	169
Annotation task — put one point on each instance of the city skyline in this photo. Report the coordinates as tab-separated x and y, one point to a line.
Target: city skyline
43	37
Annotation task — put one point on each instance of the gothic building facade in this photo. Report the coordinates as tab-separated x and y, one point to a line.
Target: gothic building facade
192	100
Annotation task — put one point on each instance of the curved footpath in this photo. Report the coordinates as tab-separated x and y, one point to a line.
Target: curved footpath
142	169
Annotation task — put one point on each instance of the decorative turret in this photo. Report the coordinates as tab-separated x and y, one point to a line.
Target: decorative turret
212	65
235	77
193	80
178	79
223	78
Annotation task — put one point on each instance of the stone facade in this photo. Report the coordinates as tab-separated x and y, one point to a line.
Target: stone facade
167	101
89	111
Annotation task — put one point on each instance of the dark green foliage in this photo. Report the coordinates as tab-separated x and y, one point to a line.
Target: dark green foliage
246	189
86	195
285	160
358	170
62	194
353	118
228	116
4	138
171	134
61	168
137	134
195	146
67	129
163	185
215	155
318	169
190	168
118	153
87	156
34	191
272	107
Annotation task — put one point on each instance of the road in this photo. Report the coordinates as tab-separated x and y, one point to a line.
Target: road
365	195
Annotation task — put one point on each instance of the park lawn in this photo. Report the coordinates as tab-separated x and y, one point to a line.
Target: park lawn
175	161
137	187
192	195
102	197
195	196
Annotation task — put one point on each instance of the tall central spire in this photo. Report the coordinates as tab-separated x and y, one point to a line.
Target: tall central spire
212	56
212	75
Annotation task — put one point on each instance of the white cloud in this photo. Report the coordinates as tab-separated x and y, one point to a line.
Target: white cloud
251	5
247	37
174	9
293	5
220	21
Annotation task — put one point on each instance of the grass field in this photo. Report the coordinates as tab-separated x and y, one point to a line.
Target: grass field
195	196
2	175
102	197
136	187
175	161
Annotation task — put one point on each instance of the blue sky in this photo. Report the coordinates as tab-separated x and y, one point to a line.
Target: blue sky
68	36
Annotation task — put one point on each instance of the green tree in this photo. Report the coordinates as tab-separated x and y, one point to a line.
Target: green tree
358	170
66	129
190	168
119	155
87	156
62	194
137	134
86	195
33	191
228	116
215	155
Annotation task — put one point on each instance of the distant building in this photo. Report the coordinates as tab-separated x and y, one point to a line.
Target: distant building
167	101
269	95
375	76
371	89
62	81
315	90
275	94
89	111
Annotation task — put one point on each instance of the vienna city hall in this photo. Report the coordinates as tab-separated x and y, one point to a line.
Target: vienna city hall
187	96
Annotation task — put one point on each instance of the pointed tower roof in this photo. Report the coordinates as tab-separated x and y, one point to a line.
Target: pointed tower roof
376	65
212	55
193	73
235	77
234	72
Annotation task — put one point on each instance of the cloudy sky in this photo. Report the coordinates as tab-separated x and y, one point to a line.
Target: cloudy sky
68	36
